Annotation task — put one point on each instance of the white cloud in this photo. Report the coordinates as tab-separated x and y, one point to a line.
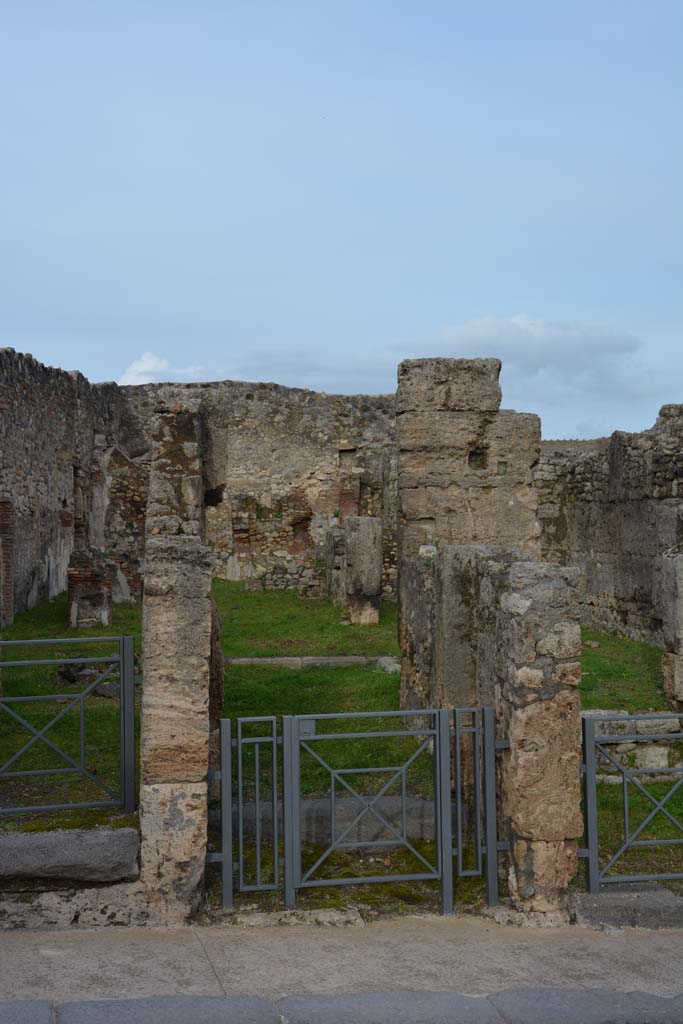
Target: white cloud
150	368
583	380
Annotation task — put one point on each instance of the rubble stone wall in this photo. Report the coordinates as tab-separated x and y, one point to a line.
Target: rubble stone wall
282	466
53	433
614	508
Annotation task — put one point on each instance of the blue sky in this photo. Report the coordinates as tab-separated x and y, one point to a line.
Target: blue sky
308	193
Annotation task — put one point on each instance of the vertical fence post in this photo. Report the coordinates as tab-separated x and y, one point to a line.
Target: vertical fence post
288	810
227	874
590	799
490	808
445	832
127	699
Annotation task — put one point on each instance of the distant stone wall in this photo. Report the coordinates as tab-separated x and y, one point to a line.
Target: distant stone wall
615	508
53	433
282	466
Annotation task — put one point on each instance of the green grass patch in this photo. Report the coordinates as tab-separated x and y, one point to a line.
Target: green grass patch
620	674
51	619
101	720
660	859
257	690
281	623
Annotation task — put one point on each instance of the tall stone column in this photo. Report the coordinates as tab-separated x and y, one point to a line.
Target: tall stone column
464	477
177	630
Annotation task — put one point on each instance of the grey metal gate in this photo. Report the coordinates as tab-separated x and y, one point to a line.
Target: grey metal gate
115	667
359	781
610	749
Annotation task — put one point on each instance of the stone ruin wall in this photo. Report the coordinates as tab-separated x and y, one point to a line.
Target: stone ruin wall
282	466
614	507
54	430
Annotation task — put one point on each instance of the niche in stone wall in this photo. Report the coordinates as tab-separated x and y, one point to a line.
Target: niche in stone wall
478	458
301	535
213	496
349	484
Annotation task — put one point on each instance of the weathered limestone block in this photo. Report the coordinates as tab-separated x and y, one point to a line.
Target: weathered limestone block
540	794
85	855
363	576
126	903
539	871
448	384
176	631
464	466
90	583
173	819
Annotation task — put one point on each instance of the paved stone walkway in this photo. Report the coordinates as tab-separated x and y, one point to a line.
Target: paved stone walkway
431	955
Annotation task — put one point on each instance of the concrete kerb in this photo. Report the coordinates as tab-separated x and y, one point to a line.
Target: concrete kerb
514	1006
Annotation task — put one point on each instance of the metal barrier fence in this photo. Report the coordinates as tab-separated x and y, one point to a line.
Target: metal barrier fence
118	668
337	792
643	786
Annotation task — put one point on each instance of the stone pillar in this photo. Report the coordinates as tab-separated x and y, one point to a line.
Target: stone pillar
482	626
335	565
464	466
90	581
537	705
464	477
6	562
177	630
363	575
671	598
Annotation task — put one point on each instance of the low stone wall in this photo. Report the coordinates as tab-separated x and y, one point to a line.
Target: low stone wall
79	855
642	753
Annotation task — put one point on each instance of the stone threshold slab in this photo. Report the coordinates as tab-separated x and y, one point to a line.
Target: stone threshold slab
385	661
